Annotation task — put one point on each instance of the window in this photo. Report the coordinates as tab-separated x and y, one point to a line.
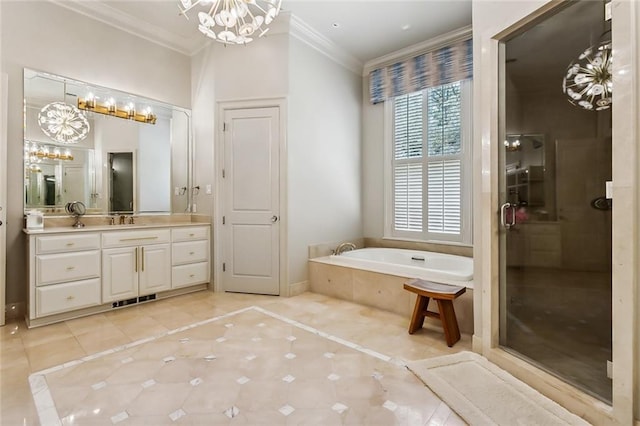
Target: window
430	158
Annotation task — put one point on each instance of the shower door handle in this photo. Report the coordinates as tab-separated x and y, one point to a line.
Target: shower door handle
503	215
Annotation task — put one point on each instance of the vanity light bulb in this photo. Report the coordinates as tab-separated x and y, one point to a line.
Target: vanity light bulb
69	155
131	112
111	106
91	101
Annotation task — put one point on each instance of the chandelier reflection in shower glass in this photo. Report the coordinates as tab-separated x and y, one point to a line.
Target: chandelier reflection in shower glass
588	80
63	123
233	21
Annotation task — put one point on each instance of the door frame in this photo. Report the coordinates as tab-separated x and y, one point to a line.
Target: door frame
4	86
222	107
626	217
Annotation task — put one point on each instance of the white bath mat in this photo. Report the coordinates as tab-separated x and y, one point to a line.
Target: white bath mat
483	394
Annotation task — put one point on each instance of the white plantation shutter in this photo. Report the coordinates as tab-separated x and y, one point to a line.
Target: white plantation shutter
408	126
407	188
428	162
444	196
408	168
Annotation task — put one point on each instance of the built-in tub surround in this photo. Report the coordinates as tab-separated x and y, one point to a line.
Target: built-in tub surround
455	249
380	284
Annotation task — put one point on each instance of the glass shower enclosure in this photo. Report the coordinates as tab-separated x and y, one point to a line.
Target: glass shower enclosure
555	162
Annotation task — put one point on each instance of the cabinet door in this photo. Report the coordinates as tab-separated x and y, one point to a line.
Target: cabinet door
120	274
155	268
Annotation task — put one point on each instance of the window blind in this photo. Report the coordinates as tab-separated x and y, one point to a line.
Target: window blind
408	197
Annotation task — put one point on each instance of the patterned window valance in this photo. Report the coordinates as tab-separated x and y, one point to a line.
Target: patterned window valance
441	66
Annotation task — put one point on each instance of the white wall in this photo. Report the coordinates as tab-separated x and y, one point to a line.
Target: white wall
46	37
372	165
324	173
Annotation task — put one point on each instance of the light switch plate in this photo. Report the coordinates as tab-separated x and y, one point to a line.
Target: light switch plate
208	189
608	189
607	11
609	369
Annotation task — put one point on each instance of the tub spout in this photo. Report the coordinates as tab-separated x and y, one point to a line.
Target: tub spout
344	247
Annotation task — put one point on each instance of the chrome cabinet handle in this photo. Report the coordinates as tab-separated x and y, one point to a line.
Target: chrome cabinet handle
274	219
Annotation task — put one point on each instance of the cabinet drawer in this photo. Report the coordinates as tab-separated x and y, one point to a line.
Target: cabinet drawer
190	252
67	242
134	238
65	297
185	275
57	268
190	233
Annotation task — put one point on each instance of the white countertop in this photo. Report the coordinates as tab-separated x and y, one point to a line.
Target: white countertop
100	228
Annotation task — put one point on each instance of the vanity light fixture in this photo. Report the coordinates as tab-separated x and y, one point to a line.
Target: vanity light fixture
233	21
37	153
110	107
512	145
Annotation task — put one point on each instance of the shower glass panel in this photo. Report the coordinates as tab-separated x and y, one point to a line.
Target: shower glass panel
555	281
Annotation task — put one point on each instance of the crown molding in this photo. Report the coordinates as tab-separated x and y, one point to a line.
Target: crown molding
437	42
306	34
113	17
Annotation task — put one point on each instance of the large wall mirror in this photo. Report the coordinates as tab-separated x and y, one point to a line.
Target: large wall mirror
114	151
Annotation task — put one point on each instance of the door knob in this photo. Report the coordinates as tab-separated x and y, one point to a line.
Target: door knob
274	219
0	223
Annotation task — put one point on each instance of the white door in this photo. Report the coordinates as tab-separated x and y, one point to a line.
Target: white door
155	269
73	184
251	198
3	194
119	274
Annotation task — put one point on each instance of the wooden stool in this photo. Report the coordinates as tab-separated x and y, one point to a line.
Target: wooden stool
444	295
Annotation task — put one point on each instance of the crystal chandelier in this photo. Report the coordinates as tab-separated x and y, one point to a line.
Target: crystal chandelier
588	80
233	21
63	123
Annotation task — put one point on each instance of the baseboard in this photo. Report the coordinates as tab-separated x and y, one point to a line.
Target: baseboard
476	344
298	288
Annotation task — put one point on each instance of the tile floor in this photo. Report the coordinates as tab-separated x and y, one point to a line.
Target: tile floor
561	320
255	377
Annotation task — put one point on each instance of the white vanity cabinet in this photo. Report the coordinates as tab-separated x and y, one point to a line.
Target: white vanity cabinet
79	272
190	256
135	263
65	273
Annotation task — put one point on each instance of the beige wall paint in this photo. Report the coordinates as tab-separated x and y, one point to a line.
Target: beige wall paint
81	48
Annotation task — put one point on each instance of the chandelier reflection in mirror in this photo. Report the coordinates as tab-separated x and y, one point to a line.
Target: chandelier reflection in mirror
63	123
233	21
588	80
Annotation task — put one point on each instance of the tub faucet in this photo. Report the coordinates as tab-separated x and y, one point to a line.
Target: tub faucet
342	247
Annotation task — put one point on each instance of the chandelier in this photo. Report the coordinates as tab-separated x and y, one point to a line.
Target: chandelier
588	80
233	21
63	123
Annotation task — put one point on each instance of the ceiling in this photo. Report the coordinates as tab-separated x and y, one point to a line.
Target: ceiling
364	29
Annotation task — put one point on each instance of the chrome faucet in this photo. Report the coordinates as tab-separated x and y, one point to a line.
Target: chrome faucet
342	247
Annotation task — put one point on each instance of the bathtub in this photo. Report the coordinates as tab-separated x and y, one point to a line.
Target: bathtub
438	267
375	277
